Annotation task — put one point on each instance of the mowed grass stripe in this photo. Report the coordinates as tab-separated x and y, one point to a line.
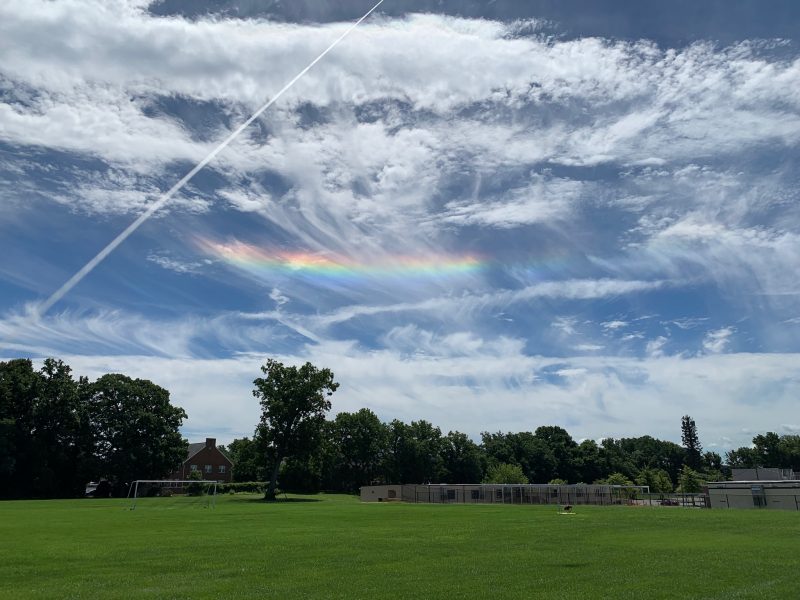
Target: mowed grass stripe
336	547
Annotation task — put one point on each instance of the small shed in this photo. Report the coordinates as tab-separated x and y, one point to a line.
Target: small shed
381	493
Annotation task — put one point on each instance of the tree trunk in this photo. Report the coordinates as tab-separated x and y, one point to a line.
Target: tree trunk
273	482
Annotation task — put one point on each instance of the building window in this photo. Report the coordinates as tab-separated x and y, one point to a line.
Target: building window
222	468
451	494
194	467
208	468
476	494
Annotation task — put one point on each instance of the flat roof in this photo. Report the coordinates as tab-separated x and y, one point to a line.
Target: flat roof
793	482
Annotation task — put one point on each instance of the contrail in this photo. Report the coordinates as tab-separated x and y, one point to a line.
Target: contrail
43	307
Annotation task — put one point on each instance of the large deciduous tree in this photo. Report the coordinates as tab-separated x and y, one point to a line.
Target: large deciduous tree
248	464
464	462
63	431
360	441
135	428
415	452
563	449
19	388
768	450
45	441
531	453
294	401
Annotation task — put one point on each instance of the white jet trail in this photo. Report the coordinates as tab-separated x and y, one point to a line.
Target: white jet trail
42	308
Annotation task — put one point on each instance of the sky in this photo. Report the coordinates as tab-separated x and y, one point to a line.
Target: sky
490	215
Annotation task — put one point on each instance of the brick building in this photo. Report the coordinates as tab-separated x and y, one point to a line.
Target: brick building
205	457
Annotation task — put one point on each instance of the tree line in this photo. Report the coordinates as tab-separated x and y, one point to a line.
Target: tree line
356	449
295	444
58	432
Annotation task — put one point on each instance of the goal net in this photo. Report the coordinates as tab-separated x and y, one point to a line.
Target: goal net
173	493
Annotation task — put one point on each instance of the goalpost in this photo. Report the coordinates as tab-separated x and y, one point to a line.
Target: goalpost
185	492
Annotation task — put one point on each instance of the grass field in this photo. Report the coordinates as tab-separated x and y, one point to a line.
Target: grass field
337	547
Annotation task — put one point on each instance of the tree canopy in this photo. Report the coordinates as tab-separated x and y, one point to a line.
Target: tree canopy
136	428
293	401
57	433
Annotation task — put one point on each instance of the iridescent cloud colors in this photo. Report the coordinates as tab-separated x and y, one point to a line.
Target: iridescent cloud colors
270	262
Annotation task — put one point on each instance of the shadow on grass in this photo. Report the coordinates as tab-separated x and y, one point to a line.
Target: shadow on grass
260	500
572	565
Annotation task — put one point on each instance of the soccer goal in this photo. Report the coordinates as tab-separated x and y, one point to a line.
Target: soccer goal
173	493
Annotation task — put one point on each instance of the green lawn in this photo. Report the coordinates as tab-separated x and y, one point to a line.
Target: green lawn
336	547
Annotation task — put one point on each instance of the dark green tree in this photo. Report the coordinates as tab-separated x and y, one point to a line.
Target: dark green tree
293	401
647	452
45	439
691	442
532	454
690	482
505	473
587	461
247	458
360	441
743	458
790	452
658	480
563	448
302	472
414	452
136	429
768	450
464	461
768	447
63	433
615	479
615	458
19	390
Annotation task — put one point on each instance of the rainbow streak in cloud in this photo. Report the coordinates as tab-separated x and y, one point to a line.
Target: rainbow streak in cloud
266	263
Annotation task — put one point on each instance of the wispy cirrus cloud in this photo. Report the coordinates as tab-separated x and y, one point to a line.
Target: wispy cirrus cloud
601	182
494	383
718	340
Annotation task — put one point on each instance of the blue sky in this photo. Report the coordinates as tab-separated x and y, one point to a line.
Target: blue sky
492	215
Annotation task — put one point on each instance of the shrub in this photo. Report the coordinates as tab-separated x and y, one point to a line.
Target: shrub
195	489
505	473
243	486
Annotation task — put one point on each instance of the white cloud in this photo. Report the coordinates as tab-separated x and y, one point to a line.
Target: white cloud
277	296
542	201
178	266
599	397
567	325
655	348
689	322
411	112
97	67
573	289
718	340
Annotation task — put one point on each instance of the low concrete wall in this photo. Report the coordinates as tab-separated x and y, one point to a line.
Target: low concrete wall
500	494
